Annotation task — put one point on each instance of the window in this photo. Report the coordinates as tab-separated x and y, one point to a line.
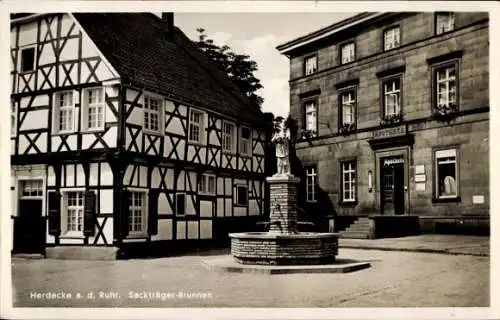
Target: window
446	174
245	141
73	211
13	118
137	212
446	86
196	128
348	107
64	112
207	184
311	180
445	21
392	97
311	65
310	116
241	195
391	38
93	109
228	139
31	189
348	181
347	53
152	114
180	204
28	59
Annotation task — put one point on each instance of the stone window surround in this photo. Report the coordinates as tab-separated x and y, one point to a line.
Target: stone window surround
304	67
387	29
443	61
304	102
437	14
340	91
341	201
341	45
435	198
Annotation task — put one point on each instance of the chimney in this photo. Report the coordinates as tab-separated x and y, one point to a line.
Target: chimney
168	19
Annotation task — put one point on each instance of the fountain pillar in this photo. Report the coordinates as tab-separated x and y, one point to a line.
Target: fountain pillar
283	200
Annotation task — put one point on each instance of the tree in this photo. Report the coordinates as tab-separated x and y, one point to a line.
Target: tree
238	67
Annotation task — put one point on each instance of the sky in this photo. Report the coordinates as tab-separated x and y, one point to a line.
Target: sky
257	35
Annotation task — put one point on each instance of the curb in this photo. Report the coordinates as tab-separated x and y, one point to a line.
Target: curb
423	250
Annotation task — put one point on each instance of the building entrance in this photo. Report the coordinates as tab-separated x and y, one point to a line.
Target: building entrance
392	197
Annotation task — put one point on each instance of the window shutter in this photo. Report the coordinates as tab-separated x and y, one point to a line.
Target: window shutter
89	213
153	212
54	213
125	213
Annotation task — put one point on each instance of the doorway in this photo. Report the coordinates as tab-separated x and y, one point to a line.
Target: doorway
29	225
392	195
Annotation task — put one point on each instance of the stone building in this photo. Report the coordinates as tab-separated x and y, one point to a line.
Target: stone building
398	105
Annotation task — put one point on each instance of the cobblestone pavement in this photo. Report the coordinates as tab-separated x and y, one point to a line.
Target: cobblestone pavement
395	279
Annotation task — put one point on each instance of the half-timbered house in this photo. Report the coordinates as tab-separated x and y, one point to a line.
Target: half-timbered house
125	136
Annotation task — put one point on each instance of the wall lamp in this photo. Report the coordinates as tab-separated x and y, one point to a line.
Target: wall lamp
370	181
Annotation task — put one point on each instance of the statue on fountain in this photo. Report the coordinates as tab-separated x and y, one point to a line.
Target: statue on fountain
281	139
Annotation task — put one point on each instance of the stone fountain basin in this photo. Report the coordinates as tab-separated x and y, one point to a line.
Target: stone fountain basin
272	248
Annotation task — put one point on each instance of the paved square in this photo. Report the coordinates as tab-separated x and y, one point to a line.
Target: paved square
395	279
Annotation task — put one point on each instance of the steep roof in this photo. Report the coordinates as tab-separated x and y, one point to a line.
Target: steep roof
139	48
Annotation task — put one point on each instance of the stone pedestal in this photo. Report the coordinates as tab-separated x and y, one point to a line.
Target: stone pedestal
283	203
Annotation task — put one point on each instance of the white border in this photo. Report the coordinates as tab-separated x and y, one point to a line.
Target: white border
8	6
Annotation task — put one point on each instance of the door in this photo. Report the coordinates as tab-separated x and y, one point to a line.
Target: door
392	186
29	227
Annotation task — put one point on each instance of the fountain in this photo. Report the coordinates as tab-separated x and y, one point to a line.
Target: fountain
283	244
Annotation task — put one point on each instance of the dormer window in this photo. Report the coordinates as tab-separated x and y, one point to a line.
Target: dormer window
310	65
445	22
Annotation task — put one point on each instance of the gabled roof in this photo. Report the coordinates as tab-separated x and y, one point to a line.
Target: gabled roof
138	47
350	22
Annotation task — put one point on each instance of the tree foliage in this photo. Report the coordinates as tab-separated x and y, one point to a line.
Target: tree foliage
238	67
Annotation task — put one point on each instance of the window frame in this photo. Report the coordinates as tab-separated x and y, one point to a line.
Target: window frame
435	174
233	137
13	118
449	14
176	213
237	194
249	141
340	93
306	58
56	110
305	102
206	177
144	213
314	182
383	102
21	49
22	182
201	126
341	49
354	180
434	78
385	31
161	113
86	107
65	232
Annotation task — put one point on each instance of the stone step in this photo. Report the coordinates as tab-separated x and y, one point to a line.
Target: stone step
81	253
354	235
358	229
